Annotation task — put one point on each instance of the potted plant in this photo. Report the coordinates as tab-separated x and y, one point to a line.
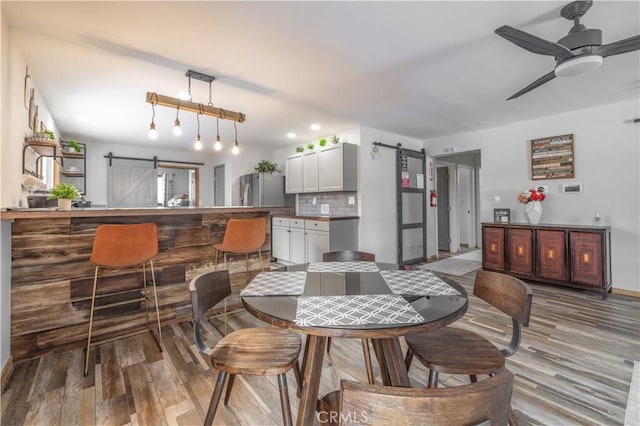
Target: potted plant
51	133
73	146
310	146
266	166
65	194
299	149
335	139
322	142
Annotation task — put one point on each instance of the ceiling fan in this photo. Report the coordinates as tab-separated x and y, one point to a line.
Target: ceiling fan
579	51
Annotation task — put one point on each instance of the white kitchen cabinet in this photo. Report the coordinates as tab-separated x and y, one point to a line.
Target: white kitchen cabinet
310	171
338	168
297	240
293	174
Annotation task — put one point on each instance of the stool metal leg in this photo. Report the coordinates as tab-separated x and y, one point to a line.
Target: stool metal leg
93	303
155	296
217	254
260	256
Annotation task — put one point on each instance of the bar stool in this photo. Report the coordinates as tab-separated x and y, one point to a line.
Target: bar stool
242	236
120	246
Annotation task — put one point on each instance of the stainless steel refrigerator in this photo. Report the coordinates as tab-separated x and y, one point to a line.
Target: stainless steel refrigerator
262	190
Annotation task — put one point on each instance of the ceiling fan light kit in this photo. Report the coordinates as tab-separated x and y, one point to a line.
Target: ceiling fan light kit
578	52
200	109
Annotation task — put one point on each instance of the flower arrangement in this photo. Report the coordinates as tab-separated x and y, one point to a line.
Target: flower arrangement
531	195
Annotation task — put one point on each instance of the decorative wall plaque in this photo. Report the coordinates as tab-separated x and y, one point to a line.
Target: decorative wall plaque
552	158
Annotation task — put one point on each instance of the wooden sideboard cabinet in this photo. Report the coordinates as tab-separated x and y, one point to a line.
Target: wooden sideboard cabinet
573	256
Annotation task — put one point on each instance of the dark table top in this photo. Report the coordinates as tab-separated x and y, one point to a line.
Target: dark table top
434	310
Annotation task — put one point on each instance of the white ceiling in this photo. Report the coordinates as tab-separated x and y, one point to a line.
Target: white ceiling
420	69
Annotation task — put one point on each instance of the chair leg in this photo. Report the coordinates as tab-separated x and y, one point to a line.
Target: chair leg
260	257
284	399
408	358
367	360
93	303
215	398
217	255
155	298
433	379
298	374
230	382
225	261
328	344
513	420
473	378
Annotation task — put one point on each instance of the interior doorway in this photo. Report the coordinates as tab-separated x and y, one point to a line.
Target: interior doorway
458	186
218	185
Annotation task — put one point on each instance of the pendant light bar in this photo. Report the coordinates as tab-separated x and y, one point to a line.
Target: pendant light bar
167	101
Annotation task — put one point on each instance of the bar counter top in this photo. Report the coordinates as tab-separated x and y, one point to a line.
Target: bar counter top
321	218
20	213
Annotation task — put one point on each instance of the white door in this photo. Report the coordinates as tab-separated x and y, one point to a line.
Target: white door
330	168
310	171
297	252
131	184
293	174
280	242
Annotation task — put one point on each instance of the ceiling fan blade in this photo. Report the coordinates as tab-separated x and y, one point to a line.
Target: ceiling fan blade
534	44
622	46
539	82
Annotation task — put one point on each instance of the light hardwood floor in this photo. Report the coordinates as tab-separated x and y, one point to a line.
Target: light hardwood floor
574	367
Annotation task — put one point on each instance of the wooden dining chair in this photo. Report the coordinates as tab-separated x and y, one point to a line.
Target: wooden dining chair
123	246
257	351
456	351
242	236
485	401
353	256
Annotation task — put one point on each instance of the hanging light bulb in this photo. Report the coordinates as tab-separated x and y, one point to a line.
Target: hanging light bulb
198	144
217	144
235	150
153	133
177	130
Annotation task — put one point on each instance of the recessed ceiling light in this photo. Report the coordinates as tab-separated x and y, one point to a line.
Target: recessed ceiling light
291	135
315	127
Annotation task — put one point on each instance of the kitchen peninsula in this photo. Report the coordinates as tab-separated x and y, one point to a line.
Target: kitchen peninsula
52	278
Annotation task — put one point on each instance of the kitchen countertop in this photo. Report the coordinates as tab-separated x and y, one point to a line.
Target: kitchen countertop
322	218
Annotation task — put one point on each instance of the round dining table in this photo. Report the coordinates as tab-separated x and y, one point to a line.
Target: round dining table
369	300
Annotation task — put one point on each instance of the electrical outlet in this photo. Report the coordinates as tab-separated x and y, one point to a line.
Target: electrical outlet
496	199
324	208
352	200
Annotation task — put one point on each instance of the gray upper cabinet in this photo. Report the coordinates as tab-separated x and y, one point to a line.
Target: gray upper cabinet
293	177
329	169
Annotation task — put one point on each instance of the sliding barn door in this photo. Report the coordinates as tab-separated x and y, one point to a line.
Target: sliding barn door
131	184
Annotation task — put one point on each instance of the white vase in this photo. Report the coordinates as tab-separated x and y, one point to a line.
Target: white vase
64	204
533	212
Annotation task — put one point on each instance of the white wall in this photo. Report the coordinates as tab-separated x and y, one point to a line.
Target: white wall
377	193
607	162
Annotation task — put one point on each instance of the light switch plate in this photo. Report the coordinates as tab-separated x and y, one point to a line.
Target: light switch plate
352	200
496	199
324	208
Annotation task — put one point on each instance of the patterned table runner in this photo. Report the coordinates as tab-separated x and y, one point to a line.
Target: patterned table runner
343	267
417	283
326	311
276	284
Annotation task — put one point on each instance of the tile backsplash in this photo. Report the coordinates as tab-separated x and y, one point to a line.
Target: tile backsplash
338	203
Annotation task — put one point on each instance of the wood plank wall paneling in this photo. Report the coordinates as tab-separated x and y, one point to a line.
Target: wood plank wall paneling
52	276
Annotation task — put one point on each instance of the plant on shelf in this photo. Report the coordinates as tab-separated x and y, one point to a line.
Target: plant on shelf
51	133
266	166
299	148
64	193
335	139
310	146
73	146
322	142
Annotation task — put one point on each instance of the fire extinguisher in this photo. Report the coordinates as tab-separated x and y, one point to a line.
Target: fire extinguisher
433	199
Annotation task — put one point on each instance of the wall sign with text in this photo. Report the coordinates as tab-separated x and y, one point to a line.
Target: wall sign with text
552	158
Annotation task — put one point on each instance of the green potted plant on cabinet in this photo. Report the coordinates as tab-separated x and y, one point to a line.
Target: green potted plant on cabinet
64	194
73	146
322	142
299	149
335	139
310	146
266	166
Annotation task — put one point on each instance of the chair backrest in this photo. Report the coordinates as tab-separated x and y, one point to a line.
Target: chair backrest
124	245
510	295
485	400
207	290
348	256
244	235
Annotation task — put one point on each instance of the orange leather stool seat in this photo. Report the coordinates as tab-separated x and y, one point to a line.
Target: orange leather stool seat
121	246
243	236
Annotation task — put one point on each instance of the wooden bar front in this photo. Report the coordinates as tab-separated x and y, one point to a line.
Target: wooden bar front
52	278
